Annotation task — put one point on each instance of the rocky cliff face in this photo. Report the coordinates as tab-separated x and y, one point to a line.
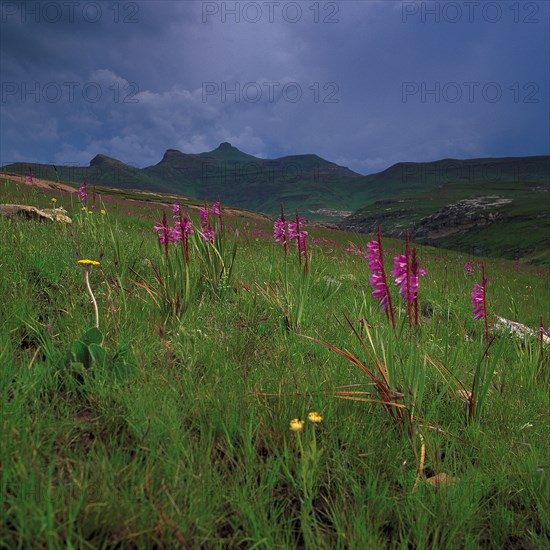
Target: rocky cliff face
449	221
459	218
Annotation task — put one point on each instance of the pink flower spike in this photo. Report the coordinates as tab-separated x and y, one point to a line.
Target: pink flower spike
378	279
216	208
165	234
183	227
400	275
204	214
373	251
478	306
296	233
279	231
479	301
295	229
82	191
208	233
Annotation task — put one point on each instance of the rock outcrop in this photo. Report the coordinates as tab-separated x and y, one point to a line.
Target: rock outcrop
32	213
459	218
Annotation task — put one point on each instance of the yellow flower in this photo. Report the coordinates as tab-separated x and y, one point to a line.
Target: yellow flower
83	209
297	425
90	212
495	373
314	417
53	200
88	262
103	212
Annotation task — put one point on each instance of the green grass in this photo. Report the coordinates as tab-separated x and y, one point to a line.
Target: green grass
520	231
181	437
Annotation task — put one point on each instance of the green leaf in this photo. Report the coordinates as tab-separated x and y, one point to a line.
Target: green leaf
98	354
122	370
80	353
92	336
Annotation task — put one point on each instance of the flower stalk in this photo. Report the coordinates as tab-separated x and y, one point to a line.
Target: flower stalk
87	264
479	300
378	279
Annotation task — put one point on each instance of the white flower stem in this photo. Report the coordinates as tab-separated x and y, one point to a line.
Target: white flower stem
87	278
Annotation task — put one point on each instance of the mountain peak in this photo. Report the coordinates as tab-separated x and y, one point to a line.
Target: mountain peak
100	160
172	154
227	152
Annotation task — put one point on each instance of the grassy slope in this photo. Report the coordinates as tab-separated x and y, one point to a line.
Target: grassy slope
522	232
193	448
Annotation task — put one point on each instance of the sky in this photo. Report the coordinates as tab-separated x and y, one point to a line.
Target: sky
361	83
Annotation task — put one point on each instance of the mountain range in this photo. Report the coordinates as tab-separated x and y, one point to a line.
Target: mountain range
226	173
465	204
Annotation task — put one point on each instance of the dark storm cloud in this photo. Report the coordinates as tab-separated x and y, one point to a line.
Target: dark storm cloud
361	83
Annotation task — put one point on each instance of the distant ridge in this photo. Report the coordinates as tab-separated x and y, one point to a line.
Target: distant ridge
243	180
464	204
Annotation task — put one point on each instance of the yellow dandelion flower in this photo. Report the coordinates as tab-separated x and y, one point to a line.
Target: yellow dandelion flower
495	373
314	417
88	262
103	212
84	209
90	212
297	425
53	200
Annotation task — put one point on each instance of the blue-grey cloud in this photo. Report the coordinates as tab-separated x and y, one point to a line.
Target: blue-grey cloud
364	84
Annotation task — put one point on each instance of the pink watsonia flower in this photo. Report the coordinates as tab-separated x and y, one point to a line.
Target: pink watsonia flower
217	211
401	272
470	267
295	229
377	279
203	212
29	177
165	234
404	280
380	291
208	233
479	301
83	193
353	249
176	209
183	226
297	234
280	230
373	256
183	230
406	276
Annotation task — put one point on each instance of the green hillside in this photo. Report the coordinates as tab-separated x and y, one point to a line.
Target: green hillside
491	206
497	207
